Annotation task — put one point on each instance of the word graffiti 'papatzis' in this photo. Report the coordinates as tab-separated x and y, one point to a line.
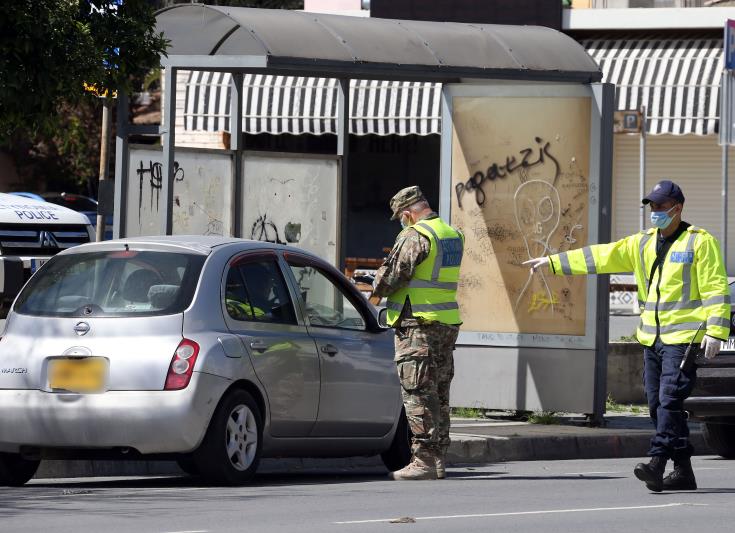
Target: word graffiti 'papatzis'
511	165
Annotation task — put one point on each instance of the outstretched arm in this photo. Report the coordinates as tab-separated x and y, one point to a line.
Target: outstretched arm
611	258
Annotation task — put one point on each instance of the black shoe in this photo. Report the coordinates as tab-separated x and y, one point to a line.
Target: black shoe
682	478
652	474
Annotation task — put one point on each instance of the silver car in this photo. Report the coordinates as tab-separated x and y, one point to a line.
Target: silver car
211	351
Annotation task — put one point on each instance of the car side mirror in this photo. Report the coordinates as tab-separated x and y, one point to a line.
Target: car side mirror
11	277
383	317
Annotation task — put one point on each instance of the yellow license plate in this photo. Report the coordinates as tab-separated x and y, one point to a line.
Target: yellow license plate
84	375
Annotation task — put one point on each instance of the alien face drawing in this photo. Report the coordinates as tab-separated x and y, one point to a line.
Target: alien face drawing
537	209
538	213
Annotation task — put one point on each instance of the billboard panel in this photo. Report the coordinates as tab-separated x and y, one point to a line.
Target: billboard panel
292	199
202	193
520	169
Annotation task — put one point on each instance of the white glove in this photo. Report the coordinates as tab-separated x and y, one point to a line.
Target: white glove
536	263
711	346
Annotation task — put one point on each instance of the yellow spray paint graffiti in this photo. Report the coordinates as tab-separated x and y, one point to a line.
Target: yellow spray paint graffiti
540	301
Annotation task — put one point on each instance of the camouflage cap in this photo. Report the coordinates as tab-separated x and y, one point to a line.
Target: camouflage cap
404	198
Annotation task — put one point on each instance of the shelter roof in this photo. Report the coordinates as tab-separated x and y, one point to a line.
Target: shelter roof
300	43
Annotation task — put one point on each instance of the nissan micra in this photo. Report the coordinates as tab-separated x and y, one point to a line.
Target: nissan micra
211	351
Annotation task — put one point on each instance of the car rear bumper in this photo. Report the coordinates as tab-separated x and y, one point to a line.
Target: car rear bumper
147	421
710	406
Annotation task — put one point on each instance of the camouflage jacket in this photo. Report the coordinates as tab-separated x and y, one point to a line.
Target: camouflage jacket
409	250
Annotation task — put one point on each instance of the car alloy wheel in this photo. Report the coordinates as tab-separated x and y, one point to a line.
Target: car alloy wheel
230	450
241	437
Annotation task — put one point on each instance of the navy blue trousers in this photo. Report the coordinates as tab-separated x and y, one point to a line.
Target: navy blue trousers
666	389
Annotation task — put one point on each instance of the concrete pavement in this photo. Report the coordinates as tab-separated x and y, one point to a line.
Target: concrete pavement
474	442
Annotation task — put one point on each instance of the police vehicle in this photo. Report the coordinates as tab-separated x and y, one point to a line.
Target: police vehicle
31	232
713	398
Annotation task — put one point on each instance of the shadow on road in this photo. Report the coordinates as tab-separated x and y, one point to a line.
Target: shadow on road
266	479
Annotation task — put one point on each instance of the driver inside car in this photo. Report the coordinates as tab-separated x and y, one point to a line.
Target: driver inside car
253	303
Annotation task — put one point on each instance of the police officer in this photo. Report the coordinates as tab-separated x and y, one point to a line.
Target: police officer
419	277
682	283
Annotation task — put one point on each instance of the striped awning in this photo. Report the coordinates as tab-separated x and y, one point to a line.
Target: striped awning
677	79
296	105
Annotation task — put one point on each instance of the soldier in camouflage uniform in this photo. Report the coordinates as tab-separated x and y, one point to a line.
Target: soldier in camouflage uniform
424	342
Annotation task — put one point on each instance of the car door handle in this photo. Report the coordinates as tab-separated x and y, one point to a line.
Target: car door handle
259	346
330	349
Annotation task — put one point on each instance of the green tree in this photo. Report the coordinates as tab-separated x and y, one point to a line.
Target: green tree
266	4
50	48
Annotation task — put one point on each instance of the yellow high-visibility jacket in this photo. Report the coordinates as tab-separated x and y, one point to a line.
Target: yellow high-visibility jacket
691	289
433	288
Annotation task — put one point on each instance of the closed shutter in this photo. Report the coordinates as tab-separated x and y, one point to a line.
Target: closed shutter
693	162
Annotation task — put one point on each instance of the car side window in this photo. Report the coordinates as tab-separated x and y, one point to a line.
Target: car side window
325	302
256	291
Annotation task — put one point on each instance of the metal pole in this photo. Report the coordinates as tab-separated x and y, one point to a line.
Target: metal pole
725	157
122	155
643	167
343	150
726	127
604	93
237	138
104	160
169	142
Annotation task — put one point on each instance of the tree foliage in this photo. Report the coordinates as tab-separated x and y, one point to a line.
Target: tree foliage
266	4
50	48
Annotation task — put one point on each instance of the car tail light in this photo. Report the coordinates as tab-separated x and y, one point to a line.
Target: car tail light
182	365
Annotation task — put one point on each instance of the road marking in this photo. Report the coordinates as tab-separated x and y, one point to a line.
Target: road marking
484	437
522	513
590	473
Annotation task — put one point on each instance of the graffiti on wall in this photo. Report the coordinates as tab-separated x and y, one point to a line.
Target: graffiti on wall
201	196
516	200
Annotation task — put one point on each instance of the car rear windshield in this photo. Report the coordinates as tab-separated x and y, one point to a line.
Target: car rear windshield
113	283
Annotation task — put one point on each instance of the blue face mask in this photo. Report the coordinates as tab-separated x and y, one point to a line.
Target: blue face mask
661	219
405	222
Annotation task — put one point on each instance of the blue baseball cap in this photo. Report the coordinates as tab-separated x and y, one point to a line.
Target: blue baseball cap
663	191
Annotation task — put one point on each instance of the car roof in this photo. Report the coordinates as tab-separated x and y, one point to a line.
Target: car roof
201	244
13	210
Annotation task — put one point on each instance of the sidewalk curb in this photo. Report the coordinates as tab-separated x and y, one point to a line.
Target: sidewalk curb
465	450
481	449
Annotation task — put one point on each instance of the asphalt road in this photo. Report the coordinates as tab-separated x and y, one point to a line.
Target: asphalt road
564	496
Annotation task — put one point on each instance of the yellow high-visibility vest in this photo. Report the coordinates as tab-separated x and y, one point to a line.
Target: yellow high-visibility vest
243	310
433	289
690	289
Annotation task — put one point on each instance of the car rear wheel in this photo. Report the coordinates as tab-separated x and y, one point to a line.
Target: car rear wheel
721	438
188	465
15	470
399	453
230	452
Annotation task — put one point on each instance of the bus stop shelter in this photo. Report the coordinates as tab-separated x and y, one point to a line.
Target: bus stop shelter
525	170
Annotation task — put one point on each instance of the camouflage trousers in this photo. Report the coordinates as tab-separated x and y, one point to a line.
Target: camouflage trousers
425	363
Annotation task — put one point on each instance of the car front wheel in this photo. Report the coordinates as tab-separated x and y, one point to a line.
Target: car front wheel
721	438
15	470
230	451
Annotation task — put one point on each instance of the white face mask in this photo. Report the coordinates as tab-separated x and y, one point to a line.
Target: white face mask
405	222
662	219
